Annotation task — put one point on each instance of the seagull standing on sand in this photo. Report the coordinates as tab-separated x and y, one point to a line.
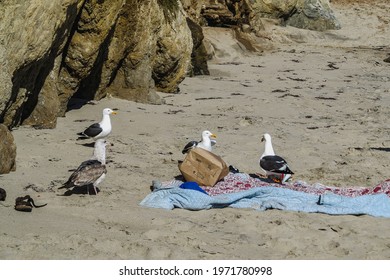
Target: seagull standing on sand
99	130
273	165
206	142
90	172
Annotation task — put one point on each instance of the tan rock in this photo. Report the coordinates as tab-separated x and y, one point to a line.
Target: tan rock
28	52
194	8
87	49
7	151
305	14
314	15
273	8
131	49
199	55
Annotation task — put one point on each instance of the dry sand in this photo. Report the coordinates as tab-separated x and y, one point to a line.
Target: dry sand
325	100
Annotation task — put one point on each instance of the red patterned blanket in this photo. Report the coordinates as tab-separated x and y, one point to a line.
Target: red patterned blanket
241	181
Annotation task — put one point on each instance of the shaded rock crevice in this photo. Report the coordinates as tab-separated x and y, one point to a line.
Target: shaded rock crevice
41	108
90	84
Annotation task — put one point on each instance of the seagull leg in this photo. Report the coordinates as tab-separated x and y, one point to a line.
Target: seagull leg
94	187
286	178
275	179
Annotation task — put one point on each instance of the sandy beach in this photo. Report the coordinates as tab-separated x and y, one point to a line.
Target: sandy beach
323	96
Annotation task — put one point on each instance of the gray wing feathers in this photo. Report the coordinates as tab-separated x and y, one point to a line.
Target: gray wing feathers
87	173
189	146
275	164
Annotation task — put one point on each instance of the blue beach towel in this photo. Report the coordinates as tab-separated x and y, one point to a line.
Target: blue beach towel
263	198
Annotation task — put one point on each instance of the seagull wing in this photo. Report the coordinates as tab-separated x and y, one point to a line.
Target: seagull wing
275	164
189	146
87	173
93	130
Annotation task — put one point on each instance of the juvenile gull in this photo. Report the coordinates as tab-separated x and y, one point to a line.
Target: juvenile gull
274	166
90	172
206	142
101	129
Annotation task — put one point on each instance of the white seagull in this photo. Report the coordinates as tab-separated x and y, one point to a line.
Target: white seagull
101	129
206	142
90	172
274	166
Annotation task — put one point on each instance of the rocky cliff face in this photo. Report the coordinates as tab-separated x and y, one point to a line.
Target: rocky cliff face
33	35
54	50
7	150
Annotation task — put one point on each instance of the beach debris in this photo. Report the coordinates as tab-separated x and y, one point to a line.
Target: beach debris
174	112
208	98
280	90
289	94
36	188
297	79
325	98
332	66
26	204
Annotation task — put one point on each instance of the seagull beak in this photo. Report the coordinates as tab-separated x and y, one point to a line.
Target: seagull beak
213	136
114	113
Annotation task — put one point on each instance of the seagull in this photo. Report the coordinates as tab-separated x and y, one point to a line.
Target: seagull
91	171
99	130
206	143
274	166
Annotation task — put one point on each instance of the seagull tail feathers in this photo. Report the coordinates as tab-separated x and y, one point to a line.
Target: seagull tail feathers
288	171
66	185
82	136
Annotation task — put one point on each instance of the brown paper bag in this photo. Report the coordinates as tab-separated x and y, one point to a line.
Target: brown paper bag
203	167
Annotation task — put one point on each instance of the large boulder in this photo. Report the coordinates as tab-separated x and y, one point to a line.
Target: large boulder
53	50
306	14
7	151
313	15
273	8
33	34
128	49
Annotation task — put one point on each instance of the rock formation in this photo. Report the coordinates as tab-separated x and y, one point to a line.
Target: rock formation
28	52
7	150
87	49
306	14
314	15
199	53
